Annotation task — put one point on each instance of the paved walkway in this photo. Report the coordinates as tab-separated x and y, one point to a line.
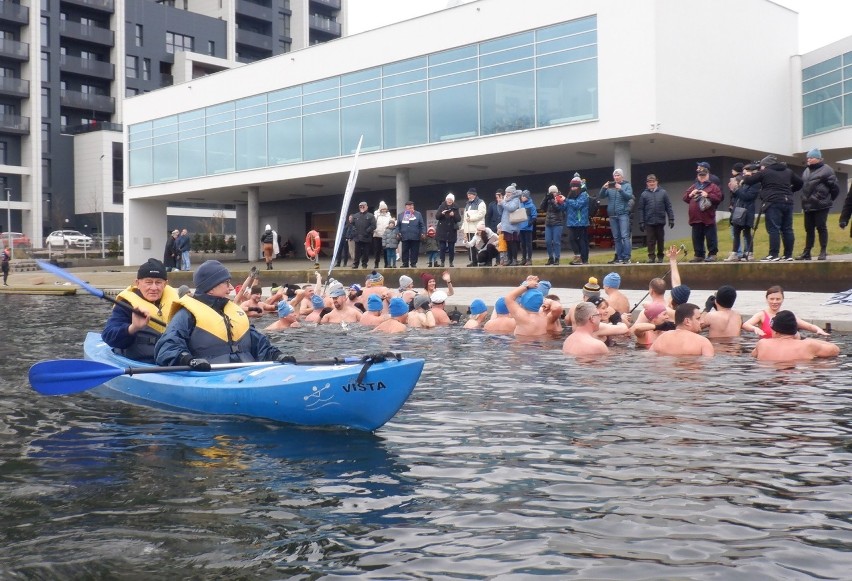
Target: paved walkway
806	305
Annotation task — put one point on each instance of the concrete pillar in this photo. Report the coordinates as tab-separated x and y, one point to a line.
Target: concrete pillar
253	234
145	230
622	159
241	252
403	191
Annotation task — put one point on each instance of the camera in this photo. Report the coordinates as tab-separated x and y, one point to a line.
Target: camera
253	272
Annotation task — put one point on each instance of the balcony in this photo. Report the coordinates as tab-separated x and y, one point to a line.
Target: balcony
12	87
93	34
88	67
14	13
254	39
14	124
13	49
333	4
87	101
252	10
323	24
103	5
91	127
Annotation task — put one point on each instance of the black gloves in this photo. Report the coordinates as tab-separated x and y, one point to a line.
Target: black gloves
710	303
843	224
281	358
671	223
255	309
196	363
641	227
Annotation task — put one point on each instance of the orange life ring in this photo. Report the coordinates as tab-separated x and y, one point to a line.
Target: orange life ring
312	244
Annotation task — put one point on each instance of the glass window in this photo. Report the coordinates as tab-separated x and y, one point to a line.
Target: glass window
373	74
45	67
251	147
821	68
507	103
166	162
140	169
403	66
501	49
45	31
191	158
146	69
567	93
822	94
823	116
131	66
45	137
453	113
321	135
138	35
450	80
211	48
453	55
45	102
566	29
847	110
822	81
285	141
404	121
363	120
220	152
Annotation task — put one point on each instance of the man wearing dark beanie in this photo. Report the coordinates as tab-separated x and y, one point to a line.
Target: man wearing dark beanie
209	328
786	346
131	331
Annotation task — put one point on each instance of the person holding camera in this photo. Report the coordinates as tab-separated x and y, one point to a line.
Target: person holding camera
703	197
554	209
619	196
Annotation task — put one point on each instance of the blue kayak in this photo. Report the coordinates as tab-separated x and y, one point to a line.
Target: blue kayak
315	395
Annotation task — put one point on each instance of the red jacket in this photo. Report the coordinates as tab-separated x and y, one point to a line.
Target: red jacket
708	216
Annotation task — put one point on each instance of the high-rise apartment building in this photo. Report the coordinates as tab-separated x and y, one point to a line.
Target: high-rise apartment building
67	65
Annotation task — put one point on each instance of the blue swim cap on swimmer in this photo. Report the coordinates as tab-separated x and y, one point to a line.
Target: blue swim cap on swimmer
477	307
317	302
284	309
544	286
398	307
374	303
531	300
500	307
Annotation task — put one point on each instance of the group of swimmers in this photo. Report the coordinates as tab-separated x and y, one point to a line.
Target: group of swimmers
665	325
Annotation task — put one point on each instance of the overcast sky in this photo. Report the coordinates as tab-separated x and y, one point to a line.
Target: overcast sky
820	21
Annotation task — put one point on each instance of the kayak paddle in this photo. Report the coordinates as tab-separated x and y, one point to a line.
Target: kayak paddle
62	273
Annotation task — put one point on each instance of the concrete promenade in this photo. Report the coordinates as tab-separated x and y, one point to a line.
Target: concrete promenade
806	305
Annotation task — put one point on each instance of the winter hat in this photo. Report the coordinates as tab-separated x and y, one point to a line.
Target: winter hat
450	197
317	302
653	310
208	275
355	287
704	165
612	280
544	287
438	297
531	300
525	194
511	190
617	172
596	300
726	296
680	294
268	227
183	290
738	167
591	288
405	281
397	307
375	278
500	307
284	309
768	160
784	323
152	269
426	277
383	206
552	190
471	191
337	291
576	179
374	303
430	231
420	301
477	307
815	153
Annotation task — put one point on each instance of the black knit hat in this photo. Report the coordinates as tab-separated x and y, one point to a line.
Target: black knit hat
152	269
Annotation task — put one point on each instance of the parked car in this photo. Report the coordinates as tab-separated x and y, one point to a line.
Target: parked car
18	240
66	238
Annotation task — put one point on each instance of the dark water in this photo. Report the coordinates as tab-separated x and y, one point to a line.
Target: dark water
509	461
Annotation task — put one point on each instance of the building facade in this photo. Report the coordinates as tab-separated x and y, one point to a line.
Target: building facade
67	65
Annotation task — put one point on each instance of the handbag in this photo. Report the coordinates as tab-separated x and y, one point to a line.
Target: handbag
518	216
704	203
738	216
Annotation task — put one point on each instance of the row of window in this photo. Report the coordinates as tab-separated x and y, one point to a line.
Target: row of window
827	95
532	79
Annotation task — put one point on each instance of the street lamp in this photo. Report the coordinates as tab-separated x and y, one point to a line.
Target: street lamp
9	218
103	234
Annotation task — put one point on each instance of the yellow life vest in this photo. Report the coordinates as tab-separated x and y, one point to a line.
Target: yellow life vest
162	312
210	321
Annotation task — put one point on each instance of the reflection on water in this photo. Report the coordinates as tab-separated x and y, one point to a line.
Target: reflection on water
510	460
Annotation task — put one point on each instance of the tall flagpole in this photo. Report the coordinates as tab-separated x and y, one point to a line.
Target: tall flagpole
347	197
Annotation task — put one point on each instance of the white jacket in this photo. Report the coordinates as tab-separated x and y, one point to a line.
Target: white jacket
474	215
382	220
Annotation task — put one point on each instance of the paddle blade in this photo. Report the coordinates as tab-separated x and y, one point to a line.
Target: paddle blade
53	269
66	376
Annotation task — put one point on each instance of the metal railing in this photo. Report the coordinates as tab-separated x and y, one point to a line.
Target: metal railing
89	101
91	67
85	32
14	86
14	49
324	24
14	124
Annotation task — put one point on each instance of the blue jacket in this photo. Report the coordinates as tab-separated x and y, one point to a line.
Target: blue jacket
413	229
617	200
577	210
532	212
174	342
182	243
511	202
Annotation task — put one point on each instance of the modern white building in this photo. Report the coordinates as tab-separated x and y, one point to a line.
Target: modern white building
483	95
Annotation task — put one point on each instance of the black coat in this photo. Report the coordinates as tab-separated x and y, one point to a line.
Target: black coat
170	253
493	215
448	218
363	224
820	188
777	183
655	208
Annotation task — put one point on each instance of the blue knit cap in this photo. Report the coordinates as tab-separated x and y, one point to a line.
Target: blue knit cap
477	307
612	280
531	300
397	307
544	286
374	303
815	153
680	294
284	309
500	307
208	275
317	302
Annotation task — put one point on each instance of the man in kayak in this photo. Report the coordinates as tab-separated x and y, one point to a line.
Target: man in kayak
209	328
133	333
